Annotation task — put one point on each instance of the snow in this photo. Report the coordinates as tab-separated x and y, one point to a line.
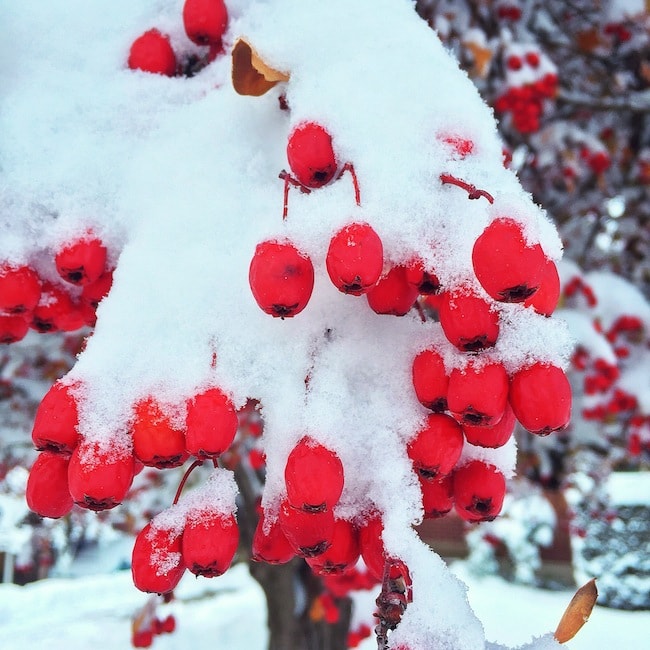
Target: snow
179	177
95	610
629	488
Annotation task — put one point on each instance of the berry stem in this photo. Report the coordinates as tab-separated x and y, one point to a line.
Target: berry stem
349	167
181	485
290	180
472	191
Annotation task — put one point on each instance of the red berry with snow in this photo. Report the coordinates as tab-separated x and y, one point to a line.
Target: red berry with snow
491	436
426	281
205	21
156	562
272	545
47	490
94	292
508	267
437	496
281	278
20	289
355	259
436	447
478	394
210	540
53	310
56	421
81	262
540	396
152	52
343	552
311	155
479	490
309	533
211	424
99	478
313	476
157	441
545	299
371	545
469	322
430	380
393	294
13	328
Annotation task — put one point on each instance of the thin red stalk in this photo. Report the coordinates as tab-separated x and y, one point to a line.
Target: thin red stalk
349	167
472	191
181	485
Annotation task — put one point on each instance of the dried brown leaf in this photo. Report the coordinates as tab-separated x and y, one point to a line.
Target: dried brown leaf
251	75
577	613
482	58
589	40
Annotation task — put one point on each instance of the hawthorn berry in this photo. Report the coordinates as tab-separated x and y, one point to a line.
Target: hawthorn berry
437	496
479	490
157	442
13	328
156	562
205	21
81	262
491	436
167	625
53	310
425	281
545	299
47	490
152	52
436	447
281	278
309	533
313	476
508	268
393	294
56	420
99	478
430	380
478	394
469	322
343	552
209	542
311	155
94	292
355	259
540	396
142	638
20	289
371	546
270	544
210	425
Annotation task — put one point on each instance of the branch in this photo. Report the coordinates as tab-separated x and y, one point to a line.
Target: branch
632	102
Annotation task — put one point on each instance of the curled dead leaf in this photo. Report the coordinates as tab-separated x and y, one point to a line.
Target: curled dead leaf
251	75
577	613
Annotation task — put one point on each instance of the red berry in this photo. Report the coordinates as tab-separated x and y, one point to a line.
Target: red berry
94	292
599	162
436	447
205	21
532	59
55	424
540	396
426	282
513	62
20	289
469	322
309	533
430	380
545	299
157	442
393	294
13	328
142	638
82	262
211	424
53	310
342	554
281	278
168	624
271	546
491	436
479	490
437	496
478	394
355	259
99	478
508	268
372	546
210	540
47	486
311	156
314	476
152	52
156	563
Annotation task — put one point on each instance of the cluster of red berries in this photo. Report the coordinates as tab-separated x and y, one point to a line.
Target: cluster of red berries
205	23
142	636
525	101
28	301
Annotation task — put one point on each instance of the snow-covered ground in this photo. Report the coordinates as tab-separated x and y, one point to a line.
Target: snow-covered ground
95	611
